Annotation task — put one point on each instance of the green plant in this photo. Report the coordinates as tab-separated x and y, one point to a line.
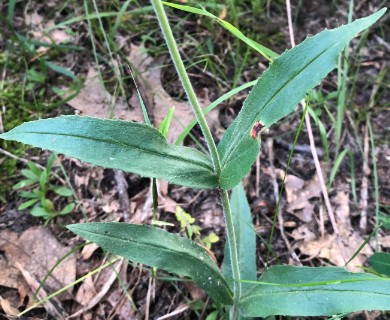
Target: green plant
37	180
192	230
142	149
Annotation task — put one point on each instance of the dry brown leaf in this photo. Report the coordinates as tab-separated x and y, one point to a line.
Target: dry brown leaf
88	250
8	308
104	283
122	305
94	101
86	292
53	305
299	193
327	247
384	241
37	251
148	77
38	26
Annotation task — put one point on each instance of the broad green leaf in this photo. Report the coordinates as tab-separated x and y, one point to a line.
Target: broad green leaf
27	204
63	191
40	212
68	209
277	92
265	52
380	262
322	291
159	249
117	144
23	183
31	175
246	240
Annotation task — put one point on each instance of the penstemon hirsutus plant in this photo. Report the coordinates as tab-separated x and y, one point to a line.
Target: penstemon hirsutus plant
142	149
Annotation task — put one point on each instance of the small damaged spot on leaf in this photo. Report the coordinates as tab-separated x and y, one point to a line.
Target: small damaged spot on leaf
256	129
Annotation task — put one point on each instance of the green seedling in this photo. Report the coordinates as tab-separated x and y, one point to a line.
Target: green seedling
192	230
39	189
142	149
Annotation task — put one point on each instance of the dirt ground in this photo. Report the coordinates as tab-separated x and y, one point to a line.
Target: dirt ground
304	234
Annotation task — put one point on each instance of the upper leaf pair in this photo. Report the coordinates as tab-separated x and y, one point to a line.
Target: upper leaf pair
141	149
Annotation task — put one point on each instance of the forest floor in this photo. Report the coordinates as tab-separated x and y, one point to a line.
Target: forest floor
55	60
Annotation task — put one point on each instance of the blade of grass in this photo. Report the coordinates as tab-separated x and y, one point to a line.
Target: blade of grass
264	51
211	106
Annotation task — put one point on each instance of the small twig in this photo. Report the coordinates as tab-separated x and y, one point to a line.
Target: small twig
314	151
123	196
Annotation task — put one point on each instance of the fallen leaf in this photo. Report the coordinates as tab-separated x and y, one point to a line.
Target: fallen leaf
53	305
37	251
148	76
8	308
94	101
86	292
327	247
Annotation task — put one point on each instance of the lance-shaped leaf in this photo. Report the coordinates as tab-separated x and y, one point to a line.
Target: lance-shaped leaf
160	249
246	240
117	144
323	291
278	90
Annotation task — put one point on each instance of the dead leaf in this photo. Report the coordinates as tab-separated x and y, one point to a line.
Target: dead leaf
299	193
328	248
105	281
86	292
88	250
8	308
53	305
148	77
94	101
37	251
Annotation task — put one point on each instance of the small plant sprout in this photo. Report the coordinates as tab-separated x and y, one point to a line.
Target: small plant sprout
140	148
36	189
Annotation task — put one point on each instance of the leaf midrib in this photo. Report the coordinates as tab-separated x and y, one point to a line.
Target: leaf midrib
148	151
237	141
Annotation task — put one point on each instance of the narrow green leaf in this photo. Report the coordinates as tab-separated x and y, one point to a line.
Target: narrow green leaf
246	240
68	209
210	107
159	249
61	70
322	291
380	262
277	92
336	166
63	191
265	52
117	144
40	212
34	168
166	123
23	183
31	175
27	204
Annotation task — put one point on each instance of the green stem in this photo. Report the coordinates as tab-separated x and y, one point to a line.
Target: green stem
231	238
185	80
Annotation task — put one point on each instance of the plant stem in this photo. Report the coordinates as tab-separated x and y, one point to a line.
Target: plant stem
231	238
185	80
